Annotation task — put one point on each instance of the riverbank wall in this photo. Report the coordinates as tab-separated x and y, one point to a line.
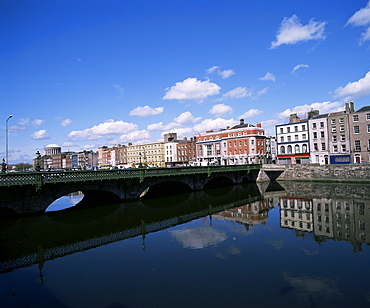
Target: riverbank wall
355	173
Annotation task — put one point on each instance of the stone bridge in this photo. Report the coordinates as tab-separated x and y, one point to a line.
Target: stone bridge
33	192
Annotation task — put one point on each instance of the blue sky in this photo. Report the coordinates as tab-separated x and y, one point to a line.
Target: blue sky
83	74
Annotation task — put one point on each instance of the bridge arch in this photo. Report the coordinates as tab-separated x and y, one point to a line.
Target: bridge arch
94	194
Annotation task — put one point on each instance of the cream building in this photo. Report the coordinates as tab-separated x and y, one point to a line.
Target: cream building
149	154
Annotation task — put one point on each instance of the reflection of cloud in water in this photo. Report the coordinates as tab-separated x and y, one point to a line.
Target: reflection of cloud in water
308	289
198	238
230	251
74	199
310	253
276	244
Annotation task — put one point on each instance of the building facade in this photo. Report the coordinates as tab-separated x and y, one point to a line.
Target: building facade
147	154
293	141
359	123
240	144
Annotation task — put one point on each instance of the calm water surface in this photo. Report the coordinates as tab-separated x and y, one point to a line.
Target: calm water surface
294	245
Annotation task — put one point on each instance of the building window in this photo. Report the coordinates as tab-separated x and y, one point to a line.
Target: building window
289	148
289	138
334	129
356	129
288	129
313	125
314	135
357	145
368	128
341	128
296	128
342	137
323	147
335	148
355	118
315	147
334	138
368	144
332	121
296	137
304	148
296	148
368	117
281	130
321	124
304	137
344	148
303	127
341	120
322	134
282	149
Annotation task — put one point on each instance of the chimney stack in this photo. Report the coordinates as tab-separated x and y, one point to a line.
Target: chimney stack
294	118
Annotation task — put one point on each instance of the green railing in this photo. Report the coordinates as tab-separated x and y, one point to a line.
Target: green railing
48	177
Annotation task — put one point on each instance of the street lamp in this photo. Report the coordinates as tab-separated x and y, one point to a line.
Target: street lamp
7	138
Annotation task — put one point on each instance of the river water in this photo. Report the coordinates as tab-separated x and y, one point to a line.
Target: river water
267	245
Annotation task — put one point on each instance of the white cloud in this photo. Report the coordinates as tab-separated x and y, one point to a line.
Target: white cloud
110	127
268	76
324	107
220	110
24	121
269	123
250	113
355	89
187	118
137	136
182	132
226	73
192	88
223	73
182	119
263	91
238	92
212	69
66	122
39	135
362	19
16	129
146	111
119	89
291	31
209	124
297	67
68	144
160	126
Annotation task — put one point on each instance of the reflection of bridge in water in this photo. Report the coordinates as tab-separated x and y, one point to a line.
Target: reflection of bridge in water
58	234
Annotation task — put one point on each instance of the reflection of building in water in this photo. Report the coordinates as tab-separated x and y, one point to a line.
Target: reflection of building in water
249	214
336	219
296	213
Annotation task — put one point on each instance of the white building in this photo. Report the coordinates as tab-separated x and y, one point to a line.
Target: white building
319	142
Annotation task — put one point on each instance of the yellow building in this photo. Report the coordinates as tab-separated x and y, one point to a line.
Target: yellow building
148	154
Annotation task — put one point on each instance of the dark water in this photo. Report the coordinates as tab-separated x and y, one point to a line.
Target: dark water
294	245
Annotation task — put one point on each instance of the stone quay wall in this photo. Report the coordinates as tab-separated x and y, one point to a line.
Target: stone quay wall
316	172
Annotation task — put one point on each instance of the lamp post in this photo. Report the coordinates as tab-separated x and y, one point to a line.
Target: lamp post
6	137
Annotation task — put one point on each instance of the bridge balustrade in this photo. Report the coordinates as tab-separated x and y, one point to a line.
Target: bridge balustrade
45	177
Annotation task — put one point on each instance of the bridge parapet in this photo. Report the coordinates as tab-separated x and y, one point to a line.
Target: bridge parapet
42	178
